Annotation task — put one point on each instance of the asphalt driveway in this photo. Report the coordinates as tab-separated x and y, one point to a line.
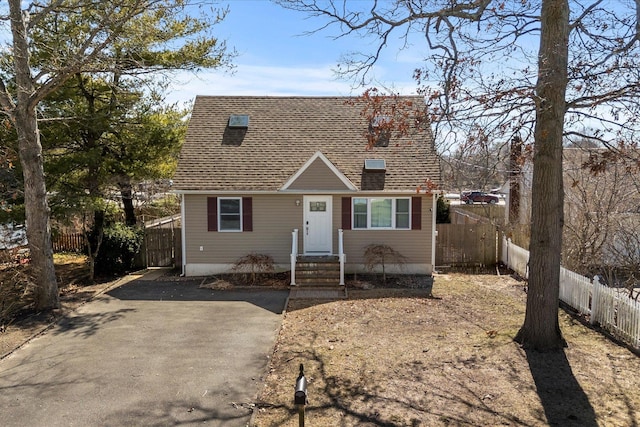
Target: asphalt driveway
147	353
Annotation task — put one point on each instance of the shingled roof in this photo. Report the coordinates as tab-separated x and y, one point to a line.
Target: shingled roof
283	134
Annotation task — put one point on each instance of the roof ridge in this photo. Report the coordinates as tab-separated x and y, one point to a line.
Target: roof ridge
293	96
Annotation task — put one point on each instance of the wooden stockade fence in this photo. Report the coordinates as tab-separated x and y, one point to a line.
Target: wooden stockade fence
161	247
466	245
162	242
158	245
68	242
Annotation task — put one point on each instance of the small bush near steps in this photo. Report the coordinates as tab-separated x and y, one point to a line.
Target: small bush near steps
382	255
252	264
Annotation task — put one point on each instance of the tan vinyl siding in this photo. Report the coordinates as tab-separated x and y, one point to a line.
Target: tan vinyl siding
318	176
274	217
413	244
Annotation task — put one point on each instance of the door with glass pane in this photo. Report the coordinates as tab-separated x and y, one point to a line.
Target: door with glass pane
317	225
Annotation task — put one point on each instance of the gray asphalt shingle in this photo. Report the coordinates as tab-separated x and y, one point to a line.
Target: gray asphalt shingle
283	133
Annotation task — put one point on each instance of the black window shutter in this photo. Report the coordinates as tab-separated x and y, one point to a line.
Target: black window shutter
416	213
212	213
247	214
346	213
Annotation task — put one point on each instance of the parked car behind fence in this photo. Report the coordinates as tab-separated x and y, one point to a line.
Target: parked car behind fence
478	197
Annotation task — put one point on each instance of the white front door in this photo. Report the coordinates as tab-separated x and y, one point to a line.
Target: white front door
317	225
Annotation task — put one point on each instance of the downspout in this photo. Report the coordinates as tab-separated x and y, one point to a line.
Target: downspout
434	231
183	239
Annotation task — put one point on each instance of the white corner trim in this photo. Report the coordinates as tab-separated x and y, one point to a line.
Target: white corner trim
183	235
434	232
318	155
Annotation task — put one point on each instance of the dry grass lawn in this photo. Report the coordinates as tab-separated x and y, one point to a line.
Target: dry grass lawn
397	358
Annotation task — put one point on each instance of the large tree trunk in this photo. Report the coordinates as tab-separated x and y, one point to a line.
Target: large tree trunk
24	116
93	241
541	330
37	211
126	191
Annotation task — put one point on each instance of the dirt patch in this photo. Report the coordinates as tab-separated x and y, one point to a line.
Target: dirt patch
395	357
243	280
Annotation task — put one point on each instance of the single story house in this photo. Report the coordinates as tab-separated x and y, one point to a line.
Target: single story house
294	176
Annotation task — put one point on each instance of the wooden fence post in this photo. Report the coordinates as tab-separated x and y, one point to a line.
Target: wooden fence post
508	252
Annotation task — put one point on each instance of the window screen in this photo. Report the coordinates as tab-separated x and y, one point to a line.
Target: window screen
230	214
391	213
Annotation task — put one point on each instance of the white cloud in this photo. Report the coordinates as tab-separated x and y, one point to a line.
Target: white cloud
269	81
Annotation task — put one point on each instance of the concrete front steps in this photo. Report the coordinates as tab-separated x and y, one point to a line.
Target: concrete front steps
318	271
318	277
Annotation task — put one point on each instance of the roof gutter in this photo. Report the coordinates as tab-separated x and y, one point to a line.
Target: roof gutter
293	192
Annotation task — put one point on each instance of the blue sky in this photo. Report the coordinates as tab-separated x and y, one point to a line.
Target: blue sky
275	58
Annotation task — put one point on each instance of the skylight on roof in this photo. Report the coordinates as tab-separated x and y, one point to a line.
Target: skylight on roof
239	121
380	120
375	165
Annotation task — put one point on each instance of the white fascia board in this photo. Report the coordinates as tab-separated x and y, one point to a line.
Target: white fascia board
257	192
230	192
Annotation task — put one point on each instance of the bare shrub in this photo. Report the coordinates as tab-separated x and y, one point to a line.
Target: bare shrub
381	255
16	287
252	264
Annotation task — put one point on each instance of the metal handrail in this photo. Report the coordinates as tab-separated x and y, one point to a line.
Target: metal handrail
294	255
342	257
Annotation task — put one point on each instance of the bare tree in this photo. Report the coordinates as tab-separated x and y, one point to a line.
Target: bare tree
71	37
592	204
622	254
541	71
602	227
474	167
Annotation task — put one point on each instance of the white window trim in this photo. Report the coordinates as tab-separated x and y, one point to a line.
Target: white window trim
220	215
393	213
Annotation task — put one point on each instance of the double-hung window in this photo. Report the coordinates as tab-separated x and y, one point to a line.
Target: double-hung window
230	214
381	213
403	213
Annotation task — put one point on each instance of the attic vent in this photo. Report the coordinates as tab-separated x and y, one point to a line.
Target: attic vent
375	165
239	121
